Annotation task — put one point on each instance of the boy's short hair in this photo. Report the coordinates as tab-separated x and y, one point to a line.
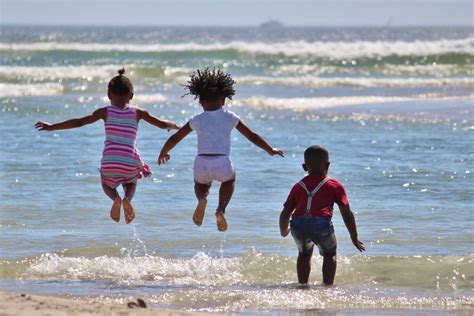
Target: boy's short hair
316	154
120	85
210	84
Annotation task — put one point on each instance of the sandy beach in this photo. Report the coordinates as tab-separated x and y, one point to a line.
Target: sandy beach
24	304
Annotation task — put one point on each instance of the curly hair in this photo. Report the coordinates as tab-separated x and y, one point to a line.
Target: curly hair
120	85
210	84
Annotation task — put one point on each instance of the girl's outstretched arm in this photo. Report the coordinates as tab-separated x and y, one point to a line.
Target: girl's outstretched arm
73	123
258	140
153	120
173	141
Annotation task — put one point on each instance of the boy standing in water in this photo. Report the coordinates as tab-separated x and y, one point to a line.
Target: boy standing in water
213	128
310	206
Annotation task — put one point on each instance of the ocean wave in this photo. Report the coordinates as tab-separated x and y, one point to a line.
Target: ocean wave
59	72
435	272
306	104
88	72
337	50
144	98
18	90
300	75
321	82
387	69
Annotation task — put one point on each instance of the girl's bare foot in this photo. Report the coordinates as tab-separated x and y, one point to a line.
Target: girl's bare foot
128	210
115	210
221	222
199	212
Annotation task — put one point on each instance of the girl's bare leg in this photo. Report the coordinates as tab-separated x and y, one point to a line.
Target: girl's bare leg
225	194
129	189
113	194
201	190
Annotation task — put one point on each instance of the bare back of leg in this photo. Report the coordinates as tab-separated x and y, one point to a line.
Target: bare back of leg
129	213
114	196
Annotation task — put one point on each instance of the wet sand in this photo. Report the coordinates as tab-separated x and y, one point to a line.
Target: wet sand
33	305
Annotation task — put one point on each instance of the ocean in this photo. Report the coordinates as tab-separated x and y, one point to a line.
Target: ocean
394	107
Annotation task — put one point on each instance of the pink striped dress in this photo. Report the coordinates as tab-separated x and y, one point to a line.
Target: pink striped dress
121	162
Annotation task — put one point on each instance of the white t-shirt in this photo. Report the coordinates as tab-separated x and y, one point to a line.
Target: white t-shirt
213	131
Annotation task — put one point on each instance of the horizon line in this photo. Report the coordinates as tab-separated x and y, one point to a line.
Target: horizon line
234	25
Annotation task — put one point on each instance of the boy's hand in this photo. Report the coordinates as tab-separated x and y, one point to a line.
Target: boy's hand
163	158
276	151
284	232
44	126
358	244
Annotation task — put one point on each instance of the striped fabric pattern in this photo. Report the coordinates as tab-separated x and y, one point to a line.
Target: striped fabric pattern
121	162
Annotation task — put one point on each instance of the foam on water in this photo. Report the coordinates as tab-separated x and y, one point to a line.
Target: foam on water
319	82
40	89
338	50
306	104
178	75
143	98
431	272
262	282
389	69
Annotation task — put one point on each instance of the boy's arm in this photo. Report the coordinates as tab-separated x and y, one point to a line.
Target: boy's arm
73	123
349	221
173	141
153	120
285	221
258	140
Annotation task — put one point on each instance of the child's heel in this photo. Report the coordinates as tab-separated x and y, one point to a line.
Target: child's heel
115	210
199	212
128	210
221	222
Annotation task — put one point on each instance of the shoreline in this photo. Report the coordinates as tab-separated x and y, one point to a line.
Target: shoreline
17	304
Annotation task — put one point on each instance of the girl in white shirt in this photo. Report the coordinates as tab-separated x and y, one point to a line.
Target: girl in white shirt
213	128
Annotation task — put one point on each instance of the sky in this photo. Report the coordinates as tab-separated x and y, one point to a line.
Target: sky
238	12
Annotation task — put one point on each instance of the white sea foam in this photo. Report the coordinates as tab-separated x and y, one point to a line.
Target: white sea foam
253	269
18	90
144	98
306	104
321	82
337	50
434	70
59	72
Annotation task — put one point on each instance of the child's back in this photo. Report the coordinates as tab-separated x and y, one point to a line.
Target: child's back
213	128
121	163
310	206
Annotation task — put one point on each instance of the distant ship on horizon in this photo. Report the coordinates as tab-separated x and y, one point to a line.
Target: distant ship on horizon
272	24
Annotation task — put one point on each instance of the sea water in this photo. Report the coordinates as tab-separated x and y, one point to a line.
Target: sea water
392	105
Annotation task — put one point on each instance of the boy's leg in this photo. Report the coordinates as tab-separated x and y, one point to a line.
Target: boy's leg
303	266
329	269
225	194
201	190
114	196
129	189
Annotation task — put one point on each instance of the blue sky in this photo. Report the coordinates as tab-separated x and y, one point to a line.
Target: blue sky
235	13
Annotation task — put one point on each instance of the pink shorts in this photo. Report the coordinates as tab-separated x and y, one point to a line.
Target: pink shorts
207	168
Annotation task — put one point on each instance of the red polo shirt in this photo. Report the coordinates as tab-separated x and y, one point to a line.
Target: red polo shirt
323	201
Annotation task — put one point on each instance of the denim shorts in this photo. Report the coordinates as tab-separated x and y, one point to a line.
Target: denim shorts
310	231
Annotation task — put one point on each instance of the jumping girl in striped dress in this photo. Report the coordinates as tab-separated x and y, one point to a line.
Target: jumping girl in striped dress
121	162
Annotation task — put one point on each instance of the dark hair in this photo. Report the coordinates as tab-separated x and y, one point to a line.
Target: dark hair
210	84
316	154
120	85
